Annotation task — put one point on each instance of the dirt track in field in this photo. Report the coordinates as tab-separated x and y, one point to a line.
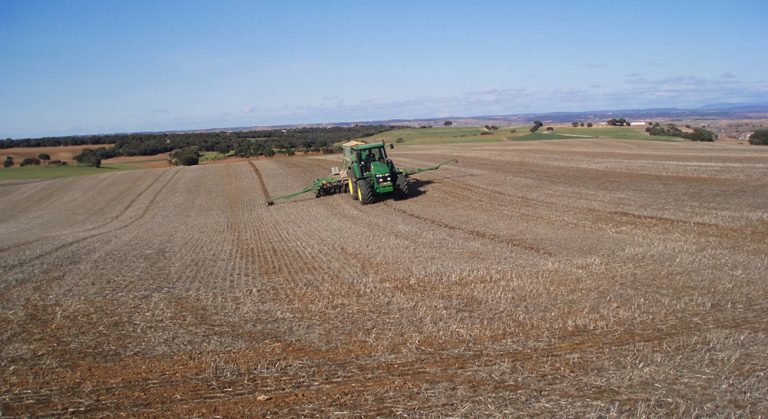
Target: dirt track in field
556	277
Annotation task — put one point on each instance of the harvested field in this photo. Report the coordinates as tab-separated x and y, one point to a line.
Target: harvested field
574	277
63	153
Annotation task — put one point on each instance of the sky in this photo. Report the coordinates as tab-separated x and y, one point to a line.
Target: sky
108	66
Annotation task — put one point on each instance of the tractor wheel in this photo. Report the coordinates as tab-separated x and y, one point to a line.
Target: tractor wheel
352	188
364	191
401	187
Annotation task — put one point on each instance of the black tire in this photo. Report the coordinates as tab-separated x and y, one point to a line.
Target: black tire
365	192
352	187
402	190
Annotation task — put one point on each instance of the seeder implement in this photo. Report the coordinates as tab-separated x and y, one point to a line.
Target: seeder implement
366	173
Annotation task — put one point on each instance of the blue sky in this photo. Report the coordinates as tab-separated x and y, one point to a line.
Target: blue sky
83	67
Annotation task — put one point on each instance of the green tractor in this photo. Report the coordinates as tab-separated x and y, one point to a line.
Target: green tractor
370	173
366	173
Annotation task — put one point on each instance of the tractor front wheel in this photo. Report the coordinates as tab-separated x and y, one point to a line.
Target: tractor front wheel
364	191
401	187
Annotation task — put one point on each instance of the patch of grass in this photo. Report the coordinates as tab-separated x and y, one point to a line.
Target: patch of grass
50	172
536	136
455	135
214	155
441	135
621	133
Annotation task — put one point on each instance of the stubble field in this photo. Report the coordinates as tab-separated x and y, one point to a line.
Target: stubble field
560	277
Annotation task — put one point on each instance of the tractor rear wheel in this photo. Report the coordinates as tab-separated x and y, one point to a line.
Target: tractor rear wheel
401	187
364	191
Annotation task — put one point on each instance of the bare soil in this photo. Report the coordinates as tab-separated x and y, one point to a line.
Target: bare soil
575	277
158	160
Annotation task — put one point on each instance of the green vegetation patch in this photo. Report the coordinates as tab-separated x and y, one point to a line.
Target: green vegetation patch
214	155
536	136
443	135
621	133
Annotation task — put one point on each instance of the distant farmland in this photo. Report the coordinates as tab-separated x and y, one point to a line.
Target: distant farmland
535	278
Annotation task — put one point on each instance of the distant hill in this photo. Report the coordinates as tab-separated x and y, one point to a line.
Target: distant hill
711	111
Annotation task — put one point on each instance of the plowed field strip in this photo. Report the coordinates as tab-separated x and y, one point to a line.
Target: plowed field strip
97	226
359	375
61	247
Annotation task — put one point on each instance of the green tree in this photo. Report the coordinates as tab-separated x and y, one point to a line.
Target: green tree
447	123
535	128
575	124
759	137
44	157
8	162
589	125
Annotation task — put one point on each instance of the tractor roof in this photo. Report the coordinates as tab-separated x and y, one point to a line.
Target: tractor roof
368	146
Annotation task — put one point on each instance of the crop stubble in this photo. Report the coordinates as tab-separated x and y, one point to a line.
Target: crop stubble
569	277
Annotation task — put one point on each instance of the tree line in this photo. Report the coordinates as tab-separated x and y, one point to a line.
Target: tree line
242	143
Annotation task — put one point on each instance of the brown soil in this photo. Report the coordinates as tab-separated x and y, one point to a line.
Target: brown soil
63	153
568	278
158	160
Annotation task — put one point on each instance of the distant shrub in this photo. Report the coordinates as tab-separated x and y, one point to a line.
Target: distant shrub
700	134
575	124
759	137
550	129
8	162
186	156
486	133
30	161
513	131
582	124
617	122
400	140
91	157
589	125
447	123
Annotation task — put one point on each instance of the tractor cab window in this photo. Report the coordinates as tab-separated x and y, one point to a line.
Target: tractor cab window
371	155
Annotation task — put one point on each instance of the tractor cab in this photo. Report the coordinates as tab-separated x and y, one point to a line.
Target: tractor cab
367	157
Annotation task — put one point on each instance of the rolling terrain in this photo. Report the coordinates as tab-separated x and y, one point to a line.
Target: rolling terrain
563	277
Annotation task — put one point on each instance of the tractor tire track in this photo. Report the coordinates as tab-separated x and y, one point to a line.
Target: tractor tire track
260	178
519	243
